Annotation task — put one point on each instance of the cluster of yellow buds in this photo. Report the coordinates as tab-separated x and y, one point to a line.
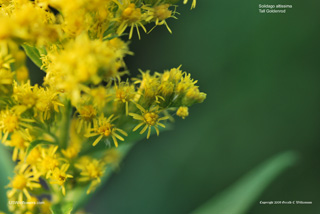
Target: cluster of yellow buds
55	129
47	21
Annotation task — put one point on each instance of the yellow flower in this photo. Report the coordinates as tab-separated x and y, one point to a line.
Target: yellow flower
193	95
45	206
43	100
31	203
6	59
125	93
99	96
22	74
149	118
149	87
119	46
20	143
11	121
72	151
59	176
49	161
47	103
105	129
132	17
166	89
174	75
91	170
25	95
183	112
26	21
185	83
83	57
159	14
24	180
82	15
87	116
6	80
82	62
33	157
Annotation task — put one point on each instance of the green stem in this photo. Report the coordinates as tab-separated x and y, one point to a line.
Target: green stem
65	125
56	194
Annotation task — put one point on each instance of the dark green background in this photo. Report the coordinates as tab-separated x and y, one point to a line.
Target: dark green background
261	74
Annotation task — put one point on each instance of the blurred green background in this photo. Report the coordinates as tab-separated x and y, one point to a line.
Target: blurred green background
261	74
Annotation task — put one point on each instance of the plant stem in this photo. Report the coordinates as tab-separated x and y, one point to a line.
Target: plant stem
65	125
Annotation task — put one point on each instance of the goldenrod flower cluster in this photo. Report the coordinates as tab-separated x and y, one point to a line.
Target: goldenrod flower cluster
85	100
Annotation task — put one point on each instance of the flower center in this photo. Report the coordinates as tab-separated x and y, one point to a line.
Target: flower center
29	99
19	182
49	163
132	13
18	141
11	123
121	95
151	118
88	112
105	129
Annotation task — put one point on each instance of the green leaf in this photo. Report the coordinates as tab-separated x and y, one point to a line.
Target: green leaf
109	33
56	209
35	143
34	54
79	194
65	208
6	169
238	198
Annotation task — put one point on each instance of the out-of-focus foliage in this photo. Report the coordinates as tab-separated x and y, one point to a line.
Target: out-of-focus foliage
261	72
6	168
239	197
